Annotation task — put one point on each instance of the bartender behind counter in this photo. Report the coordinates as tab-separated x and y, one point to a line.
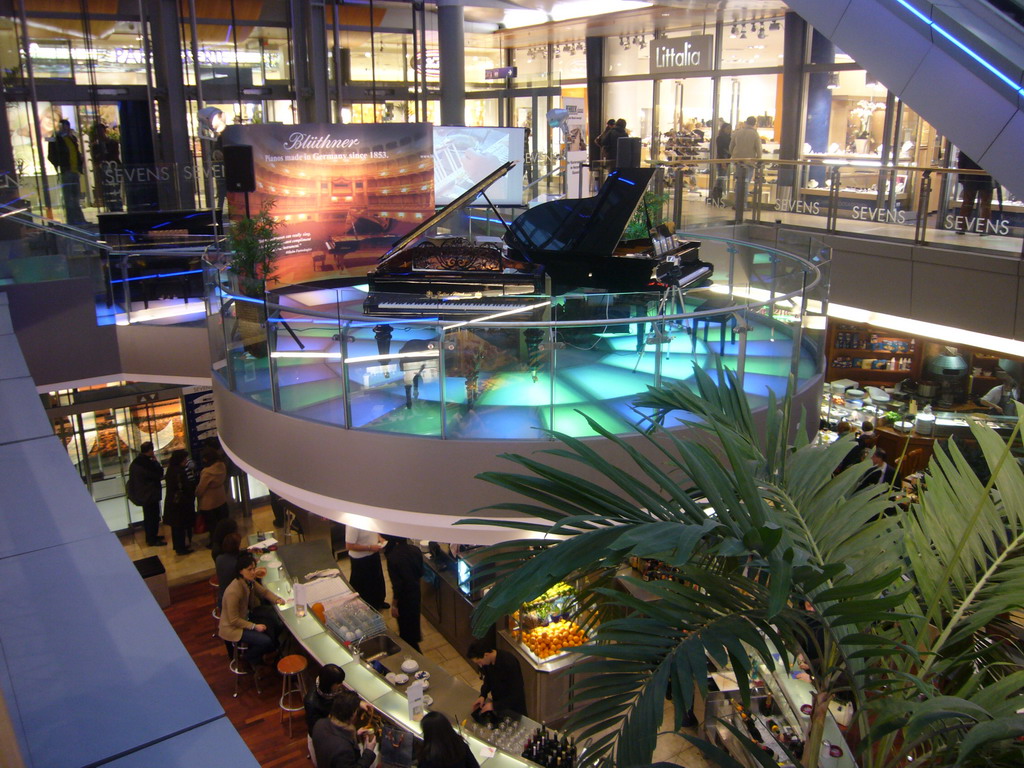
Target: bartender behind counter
503	690
1000	399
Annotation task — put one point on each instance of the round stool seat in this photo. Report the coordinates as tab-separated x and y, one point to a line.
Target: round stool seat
293	688
292	665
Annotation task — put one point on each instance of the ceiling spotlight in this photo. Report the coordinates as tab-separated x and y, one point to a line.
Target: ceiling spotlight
743	33
760	33
774	26
732	32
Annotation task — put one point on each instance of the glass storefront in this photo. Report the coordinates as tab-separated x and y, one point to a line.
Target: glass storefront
102	443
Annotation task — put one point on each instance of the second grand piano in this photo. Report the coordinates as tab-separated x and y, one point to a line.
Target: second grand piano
552	248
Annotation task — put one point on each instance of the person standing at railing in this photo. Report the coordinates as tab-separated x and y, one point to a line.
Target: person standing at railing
976	187
66	157
745	145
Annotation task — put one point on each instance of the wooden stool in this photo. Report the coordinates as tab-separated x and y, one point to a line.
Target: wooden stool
240	666
216	593
291	668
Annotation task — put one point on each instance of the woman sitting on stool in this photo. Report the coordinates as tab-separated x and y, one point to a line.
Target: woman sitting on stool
242	616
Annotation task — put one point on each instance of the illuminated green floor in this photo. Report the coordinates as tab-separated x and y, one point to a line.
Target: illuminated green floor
599	379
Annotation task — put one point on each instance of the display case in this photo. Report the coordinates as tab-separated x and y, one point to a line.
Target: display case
546	627
472	573
777	718
541	634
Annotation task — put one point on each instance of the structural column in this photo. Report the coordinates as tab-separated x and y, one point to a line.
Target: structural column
794	54
173	141
309	44
452	54
595	93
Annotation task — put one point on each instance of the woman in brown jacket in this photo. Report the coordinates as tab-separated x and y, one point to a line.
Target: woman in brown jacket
240	615
211	491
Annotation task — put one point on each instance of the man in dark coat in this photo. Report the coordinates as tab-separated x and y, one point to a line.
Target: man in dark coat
880	473
144	476
405	567
610	142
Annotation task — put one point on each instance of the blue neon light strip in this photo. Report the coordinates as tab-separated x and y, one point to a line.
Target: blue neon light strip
154	277
974	55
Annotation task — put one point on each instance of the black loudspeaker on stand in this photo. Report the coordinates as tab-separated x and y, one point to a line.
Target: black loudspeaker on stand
239	171
627	153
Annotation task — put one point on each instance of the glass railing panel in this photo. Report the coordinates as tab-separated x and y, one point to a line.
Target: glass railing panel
248	350
393	375
579	355
871	198
497	381
308	355
215	289
158	286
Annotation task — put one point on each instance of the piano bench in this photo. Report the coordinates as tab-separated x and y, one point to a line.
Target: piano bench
722	320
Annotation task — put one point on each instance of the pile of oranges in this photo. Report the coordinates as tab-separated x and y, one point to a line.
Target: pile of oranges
547	641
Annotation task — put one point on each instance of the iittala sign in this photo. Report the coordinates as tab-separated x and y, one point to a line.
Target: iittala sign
681	54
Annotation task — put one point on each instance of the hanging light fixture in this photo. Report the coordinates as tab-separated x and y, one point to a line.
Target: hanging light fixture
774	26
743	32
760	32
733	32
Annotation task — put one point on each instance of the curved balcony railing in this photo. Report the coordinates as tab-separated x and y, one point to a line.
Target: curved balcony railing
313	354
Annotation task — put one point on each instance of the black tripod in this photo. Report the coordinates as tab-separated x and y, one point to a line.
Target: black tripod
659	334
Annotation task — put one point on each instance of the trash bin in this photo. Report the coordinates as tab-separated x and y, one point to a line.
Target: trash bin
154	574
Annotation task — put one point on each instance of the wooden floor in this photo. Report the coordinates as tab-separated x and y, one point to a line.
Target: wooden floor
256	716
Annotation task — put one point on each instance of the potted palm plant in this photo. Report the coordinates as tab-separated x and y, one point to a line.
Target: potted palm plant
898	610
253	244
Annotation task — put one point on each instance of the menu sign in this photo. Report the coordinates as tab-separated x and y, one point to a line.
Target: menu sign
682	54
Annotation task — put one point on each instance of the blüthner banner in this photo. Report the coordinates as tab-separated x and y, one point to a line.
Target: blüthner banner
343	194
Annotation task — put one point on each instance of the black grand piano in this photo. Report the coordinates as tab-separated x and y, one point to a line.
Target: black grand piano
555	247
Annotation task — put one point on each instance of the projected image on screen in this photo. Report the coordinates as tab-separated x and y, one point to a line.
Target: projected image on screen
464	155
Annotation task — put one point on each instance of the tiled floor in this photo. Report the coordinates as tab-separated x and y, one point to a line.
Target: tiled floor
186	569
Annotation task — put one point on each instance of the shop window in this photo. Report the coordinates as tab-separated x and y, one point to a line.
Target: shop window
632	102
684	122
532	65
750	43
102	443
624	55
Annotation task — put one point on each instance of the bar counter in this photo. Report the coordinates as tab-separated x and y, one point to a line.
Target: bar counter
450	610
450	695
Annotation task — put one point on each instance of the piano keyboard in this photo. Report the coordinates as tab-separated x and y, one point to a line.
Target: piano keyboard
433	305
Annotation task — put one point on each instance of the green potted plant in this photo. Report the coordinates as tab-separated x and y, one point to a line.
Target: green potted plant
898	612
647	215
253	242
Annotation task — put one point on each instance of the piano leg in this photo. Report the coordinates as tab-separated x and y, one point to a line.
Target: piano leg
382	334
534	356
